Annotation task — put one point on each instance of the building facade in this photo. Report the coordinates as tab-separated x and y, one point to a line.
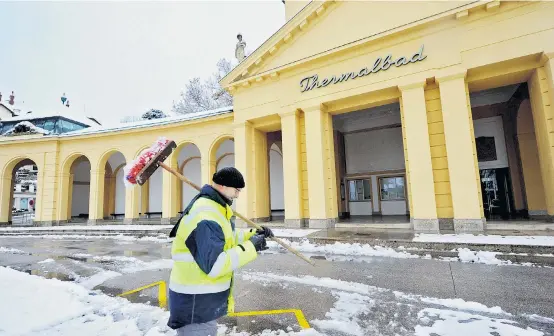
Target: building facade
437	115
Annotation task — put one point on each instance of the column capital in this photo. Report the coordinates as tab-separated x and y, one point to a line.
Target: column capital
410	86
312	108
546	56
294	112
450	74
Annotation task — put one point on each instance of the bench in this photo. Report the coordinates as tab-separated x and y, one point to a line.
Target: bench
149	214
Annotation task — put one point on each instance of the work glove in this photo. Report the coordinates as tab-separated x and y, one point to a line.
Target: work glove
259	242
265	231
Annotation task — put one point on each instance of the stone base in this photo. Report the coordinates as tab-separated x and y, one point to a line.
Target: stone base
295	223
130	221
43	223
446	224
165	221
425	225
469	225
5	224
261	220
322	223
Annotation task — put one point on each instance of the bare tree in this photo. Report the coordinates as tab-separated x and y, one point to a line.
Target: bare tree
205	95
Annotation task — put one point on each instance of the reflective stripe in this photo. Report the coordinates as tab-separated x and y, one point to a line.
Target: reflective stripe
233	254
218	265
183	257
196	211
200	289
241	236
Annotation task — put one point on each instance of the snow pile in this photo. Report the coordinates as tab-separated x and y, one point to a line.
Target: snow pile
345	315
480	257
46	261
65	308
451	322
10	250
25	127
485	239
350	249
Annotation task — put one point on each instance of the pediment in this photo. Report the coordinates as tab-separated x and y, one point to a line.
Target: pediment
322	27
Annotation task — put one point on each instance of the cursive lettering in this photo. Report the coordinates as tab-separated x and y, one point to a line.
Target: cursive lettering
312	82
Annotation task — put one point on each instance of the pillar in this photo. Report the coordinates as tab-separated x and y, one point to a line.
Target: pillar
132	201
243	161
207	166
530	165
251	161
69	189
292	169
321	168
461	153
541	89
169	192
96	199
419	167
5	199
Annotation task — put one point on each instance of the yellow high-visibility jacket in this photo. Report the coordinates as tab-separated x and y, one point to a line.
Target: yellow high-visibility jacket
206	251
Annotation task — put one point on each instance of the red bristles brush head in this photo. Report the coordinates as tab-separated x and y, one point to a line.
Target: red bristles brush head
135	169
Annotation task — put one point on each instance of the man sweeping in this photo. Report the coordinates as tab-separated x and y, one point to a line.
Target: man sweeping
206	251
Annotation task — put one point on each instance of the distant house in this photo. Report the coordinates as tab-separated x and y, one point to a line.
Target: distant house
6	111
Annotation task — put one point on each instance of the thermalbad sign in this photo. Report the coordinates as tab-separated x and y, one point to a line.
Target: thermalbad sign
313	82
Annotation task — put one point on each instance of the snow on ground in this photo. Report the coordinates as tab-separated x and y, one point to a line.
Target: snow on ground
284	233
361	310
357	250
120	237
11	250
66	308
485	239
90	228
351	249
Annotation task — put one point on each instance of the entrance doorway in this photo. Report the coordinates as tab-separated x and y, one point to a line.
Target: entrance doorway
506	152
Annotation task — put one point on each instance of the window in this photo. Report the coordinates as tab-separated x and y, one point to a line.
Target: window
486	149
359	190
392	188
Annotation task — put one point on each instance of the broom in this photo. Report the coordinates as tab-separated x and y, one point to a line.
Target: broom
139	170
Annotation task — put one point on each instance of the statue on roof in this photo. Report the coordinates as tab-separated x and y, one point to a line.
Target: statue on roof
239	49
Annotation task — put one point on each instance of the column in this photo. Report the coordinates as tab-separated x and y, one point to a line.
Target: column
541	89
243	162
461	153
132	201
292	171
96	199
5	199
418	158
47	185
207	166
321	168
169	192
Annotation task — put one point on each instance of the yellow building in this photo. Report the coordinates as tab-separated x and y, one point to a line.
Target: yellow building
438	112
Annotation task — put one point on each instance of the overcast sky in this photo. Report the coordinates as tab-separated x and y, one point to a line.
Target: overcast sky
121	58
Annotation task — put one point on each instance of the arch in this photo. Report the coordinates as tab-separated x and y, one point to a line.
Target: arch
104	157
276	181
8	194
188	160
215	145
68	194
114	191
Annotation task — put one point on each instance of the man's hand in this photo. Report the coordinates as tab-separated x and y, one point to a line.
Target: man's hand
266	232
259	242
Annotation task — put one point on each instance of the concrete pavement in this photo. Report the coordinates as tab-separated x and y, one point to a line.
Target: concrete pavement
386	297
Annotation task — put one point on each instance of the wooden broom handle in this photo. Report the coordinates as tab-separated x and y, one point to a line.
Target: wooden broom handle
279	241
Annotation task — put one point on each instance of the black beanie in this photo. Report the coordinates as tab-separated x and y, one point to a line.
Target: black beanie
229	177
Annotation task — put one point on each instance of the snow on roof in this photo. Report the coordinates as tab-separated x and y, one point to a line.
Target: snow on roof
33	129
150	123
8	107
38	115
